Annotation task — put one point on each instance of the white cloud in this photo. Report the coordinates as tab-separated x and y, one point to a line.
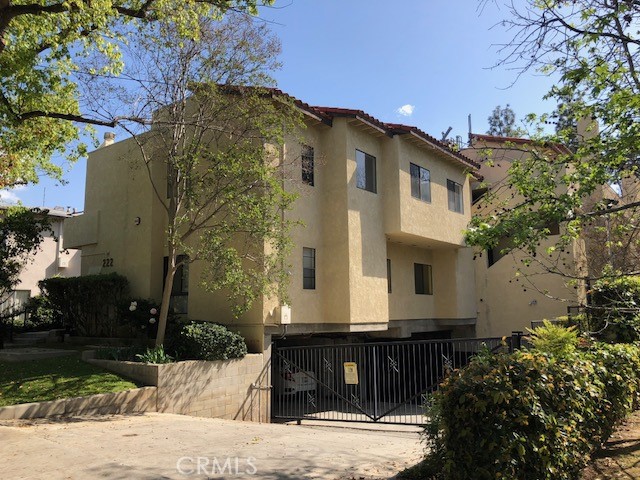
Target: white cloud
406	110
7	197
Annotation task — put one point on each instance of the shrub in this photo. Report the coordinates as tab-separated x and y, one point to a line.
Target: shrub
531	415
154	355
87	305
209	341
41	313
140	315
555	339
123	354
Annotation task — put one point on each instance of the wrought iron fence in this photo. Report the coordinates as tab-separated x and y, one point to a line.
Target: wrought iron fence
370	382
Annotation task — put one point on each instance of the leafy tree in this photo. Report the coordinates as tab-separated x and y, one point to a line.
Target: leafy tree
21	233
209	131
502	122
49	48
592	49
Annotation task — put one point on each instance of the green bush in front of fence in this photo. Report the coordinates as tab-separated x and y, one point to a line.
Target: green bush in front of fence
530	414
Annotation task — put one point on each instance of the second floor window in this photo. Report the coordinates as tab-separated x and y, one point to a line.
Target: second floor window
308	268
365	171
420	183
307	165
454	191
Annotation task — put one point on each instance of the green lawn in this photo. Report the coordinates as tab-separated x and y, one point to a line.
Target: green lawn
55	378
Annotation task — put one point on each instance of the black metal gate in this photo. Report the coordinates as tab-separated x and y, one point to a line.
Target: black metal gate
369	382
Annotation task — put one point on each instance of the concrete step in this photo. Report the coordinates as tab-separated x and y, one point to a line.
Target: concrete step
33	335
27	341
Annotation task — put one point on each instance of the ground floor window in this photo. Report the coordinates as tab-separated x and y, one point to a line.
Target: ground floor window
423	279
15	301
180	289
308	268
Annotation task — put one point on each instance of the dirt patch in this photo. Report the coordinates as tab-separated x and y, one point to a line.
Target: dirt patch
620	456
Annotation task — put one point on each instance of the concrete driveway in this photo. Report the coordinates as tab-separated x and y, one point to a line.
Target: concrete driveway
154	446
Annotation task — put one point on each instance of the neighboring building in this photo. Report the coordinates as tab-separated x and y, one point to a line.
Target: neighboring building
511	295
51	260
381	251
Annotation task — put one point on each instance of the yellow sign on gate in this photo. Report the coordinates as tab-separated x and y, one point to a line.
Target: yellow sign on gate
350	373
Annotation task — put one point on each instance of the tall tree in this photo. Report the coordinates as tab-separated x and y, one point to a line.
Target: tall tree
48	48
502	122
209	130
592	48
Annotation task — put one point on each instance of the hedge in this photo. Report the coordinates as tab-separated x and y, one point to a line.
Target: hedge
530	415
88	305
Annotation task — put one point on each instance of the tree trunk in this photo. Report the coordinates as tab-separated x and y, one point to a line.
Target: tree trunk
166	298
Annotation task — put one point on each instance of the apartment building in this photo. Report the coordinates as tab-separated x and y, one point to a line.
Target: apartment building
380	252
51	260
510	293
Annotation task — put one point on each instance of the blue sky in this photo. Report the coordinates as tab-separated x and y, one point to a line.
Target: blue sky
432	57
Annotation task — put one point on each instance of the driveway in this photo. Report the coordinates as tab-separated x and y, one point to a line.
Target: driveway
154	446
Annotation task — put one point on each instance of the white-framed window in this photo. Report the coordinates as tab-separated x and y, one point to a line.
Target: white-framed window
420	182
366	171
454	191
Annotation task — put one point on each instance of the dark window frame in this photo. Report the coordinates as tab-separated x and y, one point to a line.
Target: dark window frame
417	172
180	287
454	192
308	269
308	165
423	278
369	180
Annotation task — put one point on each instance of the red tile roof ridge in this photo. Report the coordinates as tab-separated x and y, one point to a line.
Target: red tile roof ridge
326	114
560	148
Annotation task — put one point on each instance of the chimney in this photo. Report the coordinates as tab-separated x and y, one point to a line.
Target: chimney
587	128
109	139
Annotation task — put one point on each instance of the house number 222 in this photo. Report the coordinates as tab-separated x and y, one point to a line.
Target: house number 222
107	262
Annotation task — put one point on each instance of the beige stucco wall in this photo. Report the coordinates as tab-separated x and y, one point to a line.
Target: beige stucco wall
431	220
118	192
404	303
511	294
367	241
508	302
354	231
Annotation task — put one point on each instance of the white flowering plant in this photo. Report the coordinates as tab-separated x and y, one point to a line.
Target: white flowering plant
141	314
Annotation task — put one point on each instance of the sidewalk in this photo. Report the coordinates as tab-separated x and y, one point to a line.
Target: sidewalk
153	446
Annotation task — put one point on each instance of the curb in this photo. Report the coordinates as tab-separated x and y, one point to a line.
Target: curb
138	400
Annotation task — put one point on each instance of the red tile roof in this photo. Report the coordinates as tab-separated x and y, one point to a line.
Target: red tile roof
327	114
560	148
392	129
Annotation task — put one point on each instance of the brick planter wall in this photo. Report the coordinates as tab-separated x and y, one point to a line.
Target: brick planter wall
235	389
